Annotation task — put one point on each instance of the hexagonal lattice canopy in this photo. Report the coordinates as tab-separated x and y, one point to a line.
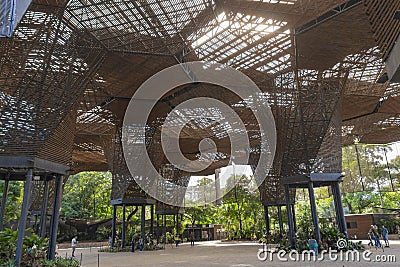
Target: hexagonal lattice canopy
71	67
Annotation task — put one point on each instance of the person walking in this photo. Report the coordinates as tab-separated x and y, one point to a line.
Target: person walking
371	241
74	241
385	235
176	238
375	236
192	239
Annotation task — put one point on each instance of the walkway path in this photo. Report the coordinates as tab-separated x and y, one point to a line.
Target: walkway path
215	253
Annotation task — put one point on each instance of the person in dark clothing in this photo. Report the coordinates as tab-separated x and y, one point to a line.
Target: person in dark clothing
141	244
192	239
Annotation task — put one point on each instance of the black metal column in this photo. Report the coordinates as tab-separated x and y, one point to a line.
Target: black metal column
54	217
359	167
143	223
152	220
43	212
339	208
165	228
113	225
314	214
158	228
289	216
337	211
123	226
388	167
4	201
24	215
280	221
294	218
177	224
266	216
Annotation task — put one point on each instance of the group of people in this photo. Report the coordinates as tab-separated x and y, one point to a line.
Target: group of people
374	236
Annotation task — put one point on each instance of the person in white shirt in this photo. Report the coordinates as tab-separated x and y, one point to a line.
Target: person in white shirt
73	245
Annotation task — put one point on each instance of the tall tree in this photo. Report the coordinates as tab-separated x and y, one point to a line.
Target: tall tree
87	196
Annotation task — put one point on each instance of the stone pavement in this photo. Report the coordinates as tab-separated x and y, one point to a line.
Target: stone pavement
216	253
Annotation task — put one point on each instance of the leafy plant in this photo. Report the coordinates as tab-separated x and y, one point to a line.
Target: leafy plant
60	262
34	248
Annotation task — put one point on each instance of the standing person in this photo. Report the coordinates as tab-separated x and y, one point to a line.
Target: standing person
385	235
73	245
370	238
192	239
375	236
176	238
133	243
141	243
110	241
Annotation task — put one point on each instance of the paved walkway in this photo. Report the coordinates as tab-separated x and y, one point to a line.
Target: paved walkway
216	253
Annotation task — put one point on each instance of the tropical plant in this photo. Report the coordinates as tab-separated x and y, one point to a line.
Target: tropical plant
34	248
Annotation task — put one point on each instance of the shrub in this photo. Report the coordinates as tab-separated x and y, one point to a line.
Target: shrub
34	248
60	262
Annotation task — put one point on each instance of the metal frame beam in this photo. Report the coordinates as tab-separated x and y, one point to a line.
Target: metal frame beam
328	15
21	162
4	201
23	217
54	217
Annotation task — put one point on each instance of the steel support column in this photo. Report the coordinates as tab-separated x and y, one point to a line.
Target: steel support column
266	216
294	218
314	214
4	201
359	167
113	225
54	217
143	223
152	220
337	211
280	221
339	208
158	228
23	217
289	216
217	187
165	228
43	212
177	224
123	226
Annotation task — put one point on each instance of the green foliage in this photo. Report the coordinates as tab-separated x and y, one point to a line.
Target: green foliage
34	248
87	196
8	242
60	262
115	249
329	238
360	202
241	212
14	201
390	223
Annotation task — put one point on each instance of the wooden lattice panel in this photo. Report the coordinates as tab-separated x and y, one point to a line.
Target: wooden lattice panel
70	69
42	76
386	29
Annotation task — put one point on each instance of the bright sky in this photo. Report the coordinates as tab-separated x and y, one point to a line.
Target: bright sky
396	149
226	172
